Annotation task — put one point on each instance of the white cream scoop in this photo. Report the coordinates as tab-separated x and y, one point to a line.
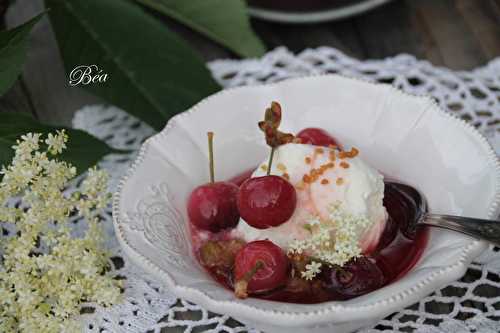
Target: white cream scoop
322	177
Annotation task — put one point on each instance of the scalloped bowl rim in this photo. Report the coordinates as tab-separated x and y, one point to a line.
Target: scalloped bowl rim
330	310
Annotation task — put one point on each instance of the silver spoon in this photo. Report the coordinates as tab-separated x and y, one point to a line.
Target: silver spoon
488	230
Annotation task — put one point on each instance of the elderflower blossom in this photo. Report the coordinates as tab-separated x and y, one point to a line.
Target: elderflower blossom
57	143
314	220
333	241
312	270
45	273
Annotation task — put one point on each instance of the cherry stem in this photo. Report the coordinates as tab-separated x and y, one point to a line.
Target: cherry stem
240	287
259	264
210	136
270	161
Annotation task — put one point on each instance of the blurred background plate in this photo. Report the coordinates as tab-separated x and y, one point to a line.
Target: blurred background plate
309	11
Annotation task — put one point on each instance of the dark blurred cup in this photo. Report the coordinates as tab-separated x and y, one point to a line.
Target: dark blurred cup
300	5
308	11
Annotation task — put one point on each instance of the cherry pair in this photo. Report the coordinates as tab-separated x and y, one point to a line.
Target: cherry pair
262	202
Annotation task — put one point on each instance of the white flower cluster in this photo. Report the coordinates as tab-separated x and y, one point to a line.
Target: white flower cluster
312	270
333	242
45	273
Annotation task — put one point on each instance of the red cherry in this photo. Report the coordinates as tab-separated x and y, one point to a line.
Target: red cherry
259	266
213	206
358	277
317	137
266	201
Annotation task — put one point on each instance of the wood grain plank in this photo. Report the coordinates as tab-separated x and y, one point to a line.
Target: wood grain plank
483	19
16	99
3	9
44	75
390	30
448	39
429	43
341	35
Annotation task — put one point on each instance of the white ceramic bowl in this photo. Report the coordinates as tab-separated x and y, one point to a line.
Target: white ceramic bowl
406	137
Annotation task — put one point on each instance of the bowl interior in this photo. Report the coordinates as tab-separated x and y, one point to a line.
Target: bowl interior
405	137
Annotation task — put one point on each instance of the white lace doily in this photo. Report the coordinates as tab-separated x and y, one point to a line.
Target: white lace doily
469	305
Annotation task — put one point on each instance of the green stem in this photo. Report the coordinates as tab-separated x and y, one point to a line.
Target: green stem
210	136
241	286
249	275
270	161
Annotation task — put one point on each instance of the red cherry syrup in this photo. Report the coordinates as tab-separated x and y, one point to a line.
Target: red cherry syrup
396	255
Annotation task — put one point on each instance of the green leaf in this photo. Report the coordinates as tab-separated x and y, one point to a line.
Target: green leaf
152	73
224	21
83	150
13	47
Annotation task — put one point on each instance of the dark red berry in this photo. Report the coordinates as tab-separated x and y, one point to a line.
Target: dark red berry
358	277
266	201
317	137
213	206
259	266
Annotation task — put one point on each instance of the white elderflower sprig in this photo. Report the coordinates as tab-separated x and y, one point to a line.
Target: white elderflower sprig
312	269
45	273
333	242
57	143
314	220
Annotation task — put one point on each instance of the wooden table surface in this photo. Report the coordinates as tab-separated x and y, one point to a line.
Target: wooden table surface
459	34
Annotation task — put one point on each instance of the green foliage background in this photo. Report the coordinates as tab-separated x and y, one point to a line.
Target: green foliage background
153	74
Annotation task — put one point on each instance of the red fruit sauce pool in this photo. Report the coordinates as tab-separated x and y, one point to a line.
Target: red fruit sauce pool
396	254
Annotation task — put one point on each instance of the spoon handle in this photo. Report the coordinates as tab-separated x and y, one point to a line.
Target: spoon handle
488	230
